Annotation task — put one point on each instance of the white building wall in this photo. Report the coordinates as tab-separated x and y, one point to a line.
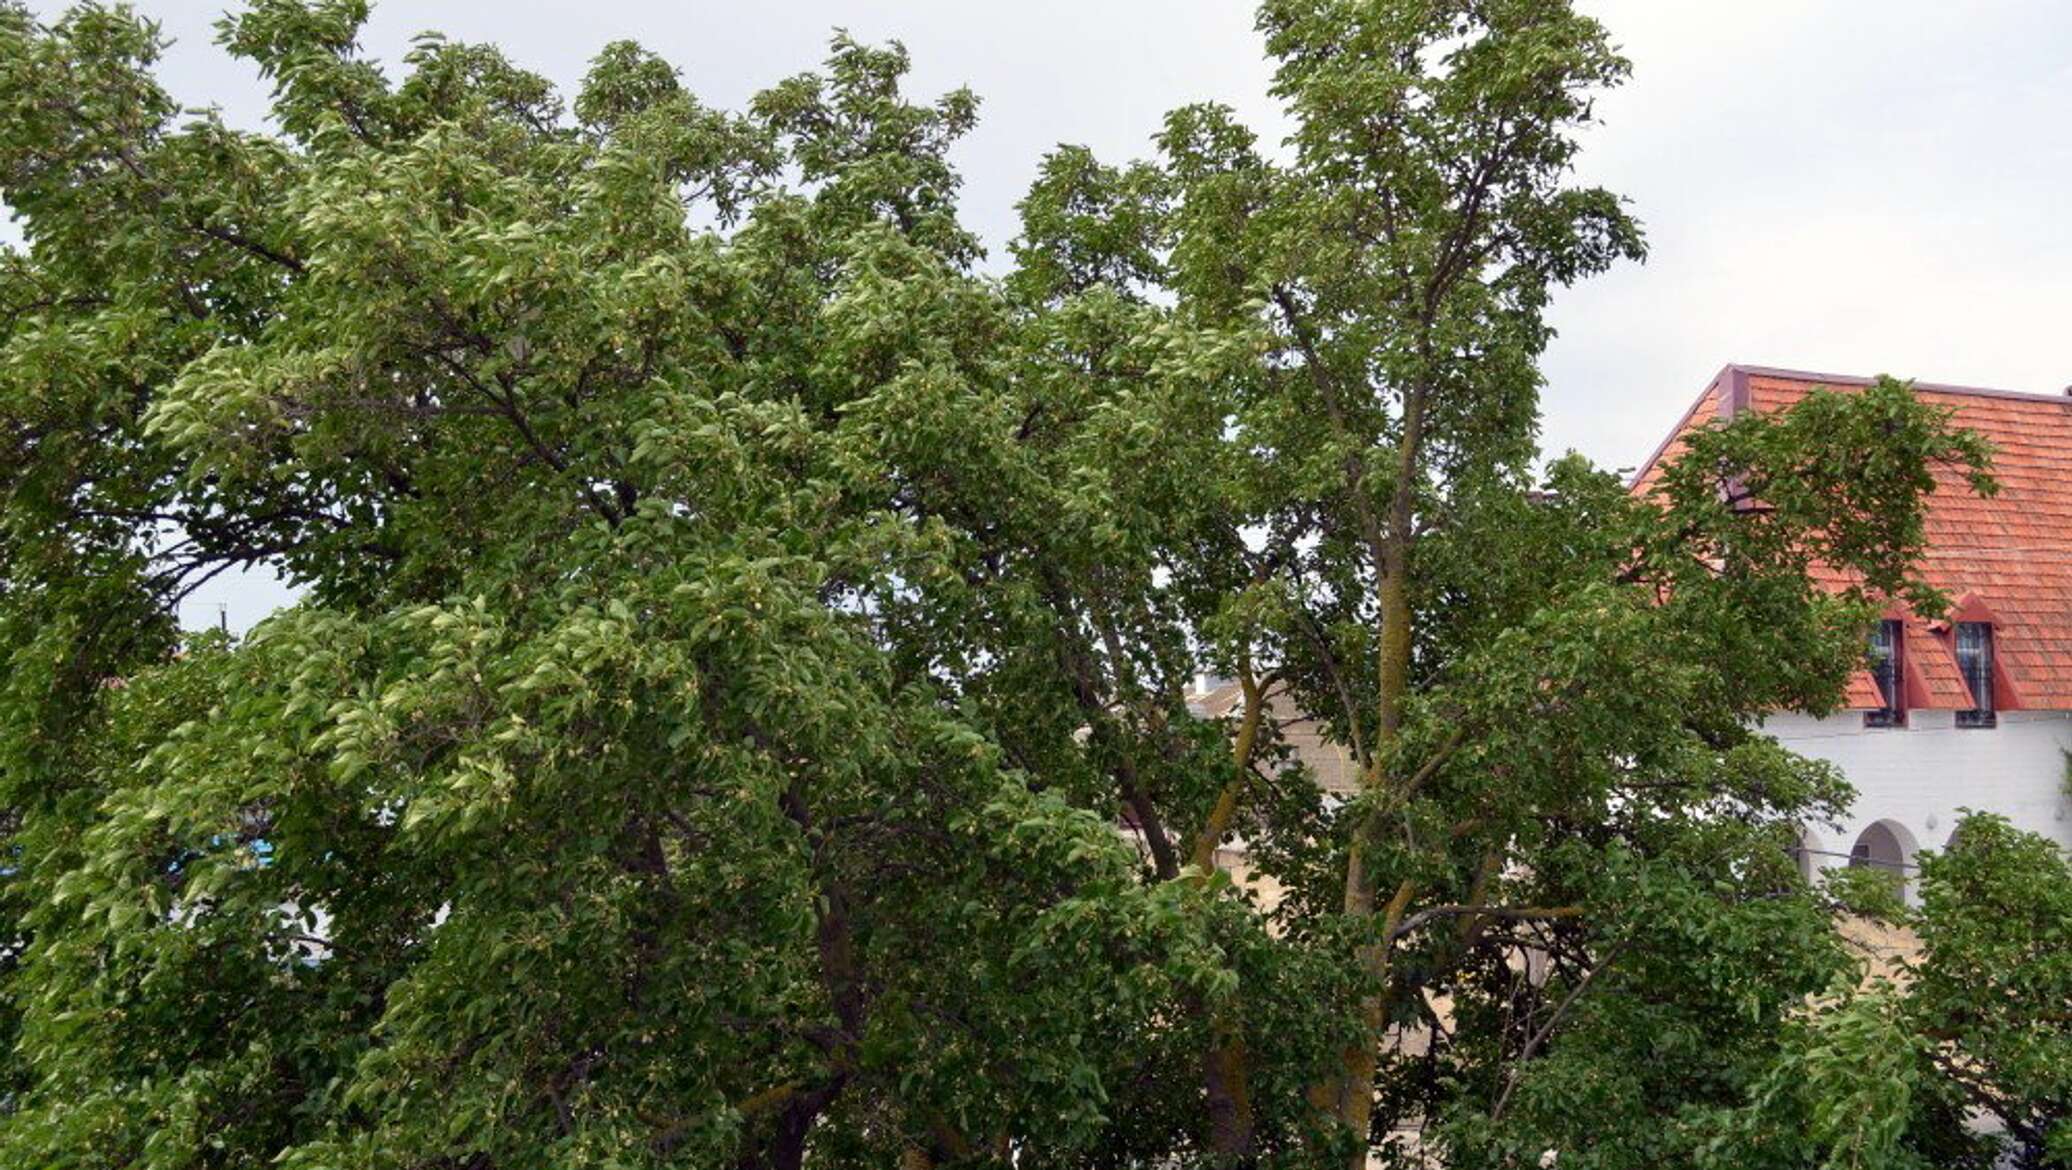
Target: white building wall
1916	778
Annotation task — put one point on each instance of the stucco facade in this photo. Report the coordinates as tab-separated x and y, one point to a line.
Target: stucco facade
1917	780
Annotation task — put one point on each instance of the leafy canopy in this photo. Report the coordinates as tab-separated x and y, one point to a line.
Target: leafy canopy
738	714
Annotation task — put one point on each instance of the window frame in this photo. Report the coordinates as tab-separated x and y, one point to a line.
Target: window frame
1977	673
1888	672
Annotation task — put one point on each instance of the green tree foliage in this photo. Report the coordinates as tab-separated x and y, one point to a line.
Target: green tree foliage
737	625
1966	1058
1992	995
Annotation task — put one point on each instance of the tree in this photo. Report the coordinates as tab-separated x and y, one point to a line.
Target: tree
1965	1059
736	625
1992	989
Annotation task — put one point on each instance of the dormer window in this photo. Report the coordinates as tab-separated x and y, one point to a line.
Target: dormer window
1887	648
1975	660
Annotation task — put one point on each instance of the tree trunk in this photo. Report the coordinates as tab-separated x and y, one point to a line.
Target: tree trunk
1224	1074
1355	1104
1226	1065
785	1146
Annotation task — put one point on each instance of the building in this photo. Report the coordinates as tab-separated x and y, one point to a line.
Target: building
1973	711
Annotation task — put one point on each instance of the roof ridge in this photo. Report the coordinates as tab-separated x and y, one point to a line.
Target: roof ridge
1929	387
1969	550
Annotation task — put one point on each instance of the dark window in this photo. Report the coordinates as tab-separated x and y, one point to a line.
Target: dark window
1975	659
1886	650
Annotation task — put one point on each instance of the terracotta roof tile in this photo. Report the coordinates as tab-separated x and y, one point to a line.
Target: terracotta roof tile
2013	552
1862	691
1706	408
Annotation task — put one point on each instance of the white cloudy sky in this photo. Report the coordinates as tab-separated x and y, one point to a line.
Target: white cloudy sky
1849	186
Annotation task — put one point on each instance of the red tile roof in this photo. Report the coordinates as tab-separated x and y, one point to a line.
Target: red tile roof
2007	559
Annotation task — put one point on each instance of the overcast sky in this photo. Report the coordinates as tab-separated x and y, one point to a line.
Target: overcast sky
1847	186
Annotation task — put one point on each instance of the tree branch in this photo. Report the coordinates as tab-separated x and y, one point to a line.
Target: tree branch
1421	918
1532	1045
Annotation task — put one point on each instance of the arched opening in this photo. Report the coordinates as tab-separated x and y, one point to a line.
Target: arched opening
1809	854
1878	847
1885	846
